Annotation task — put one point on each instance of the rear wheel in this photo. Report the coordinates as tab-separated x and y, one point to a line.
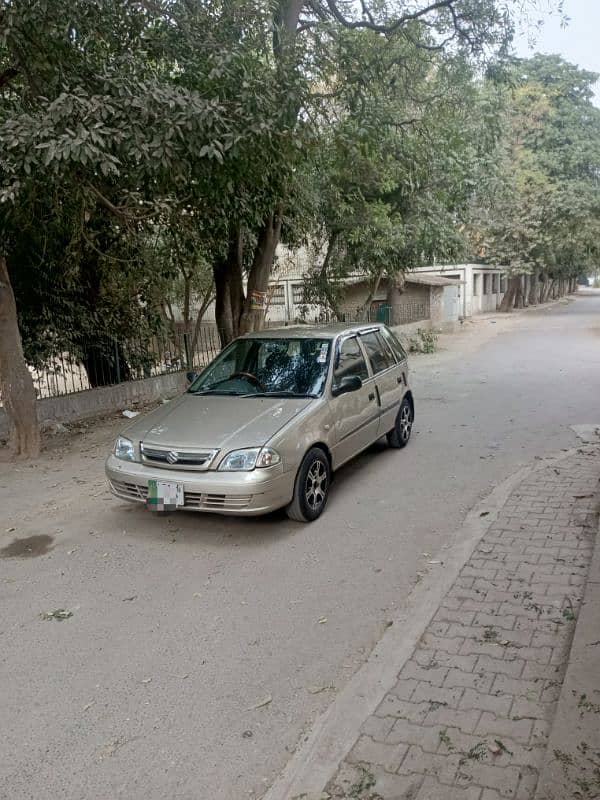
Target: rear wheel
311	488
400	433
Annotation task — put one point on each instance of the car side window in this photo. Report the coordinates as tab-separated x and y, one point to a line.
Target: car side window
350	361
380	355
394	343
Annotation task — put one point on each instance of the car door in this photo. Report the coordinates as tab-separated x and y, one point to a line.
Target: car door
355	414
387	373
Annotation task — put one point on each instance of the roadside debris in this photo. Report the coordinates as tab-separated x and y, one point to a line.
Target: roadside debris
58	614
268	699
130	414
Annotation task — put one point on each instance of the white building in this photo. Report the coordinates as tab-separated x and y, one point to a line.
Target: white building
481	287
476	288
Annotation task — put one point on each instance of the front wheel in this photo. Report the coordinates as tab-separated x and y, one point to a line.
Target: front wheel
311	488
400	433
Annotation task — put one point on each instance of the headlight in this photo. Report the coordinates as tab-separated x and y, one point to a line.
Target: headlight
247	460
124	449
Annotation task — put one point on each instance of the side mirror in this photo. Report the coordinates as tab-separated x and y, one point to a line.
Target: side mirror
351	383
191	376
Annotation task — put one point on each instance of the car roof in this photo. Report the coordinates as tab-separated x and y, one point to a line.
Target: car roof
313	331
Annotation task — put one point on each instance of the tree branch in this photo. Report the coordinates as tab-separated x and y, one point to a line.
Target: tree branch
396	24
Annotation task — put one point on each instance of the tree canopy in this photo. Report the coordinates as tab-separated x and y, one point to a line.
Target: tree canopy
156	152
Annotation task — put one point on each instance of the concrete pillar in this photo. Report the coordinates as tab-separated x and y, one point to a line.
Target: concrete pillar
436	306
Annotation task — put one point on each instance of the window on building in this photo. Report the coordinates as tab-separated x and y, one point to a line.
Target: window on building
502	283
278	295
298	293
486	284
475	284
495	283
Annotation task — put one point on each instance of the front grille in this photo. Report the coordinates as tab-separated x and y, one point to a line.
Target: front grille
216	501
130	491
192	500
174	458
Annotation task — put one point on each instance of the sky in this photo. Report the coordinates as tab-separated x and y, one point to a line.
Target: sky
578	42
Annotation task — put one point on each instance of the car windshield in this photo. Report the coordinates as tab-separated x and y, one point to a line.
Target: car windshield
284	367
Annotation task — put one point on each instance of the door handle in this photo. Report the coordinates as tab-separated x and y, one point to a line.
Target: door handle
372	396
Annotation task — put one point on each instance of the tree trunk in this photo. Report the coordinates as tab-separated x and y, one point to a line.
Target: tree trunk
253	314
209	296
229	290
394	299
508	301
235	313
187	291
16	384
519	296
545	290
534	289
325	290
366	306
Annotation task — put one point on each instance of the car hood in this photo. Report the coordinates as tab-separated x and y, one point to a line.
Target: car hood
216	421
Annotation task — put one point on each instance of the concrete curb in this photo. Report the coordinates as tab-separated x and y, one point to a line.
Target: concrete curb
334	733
570	766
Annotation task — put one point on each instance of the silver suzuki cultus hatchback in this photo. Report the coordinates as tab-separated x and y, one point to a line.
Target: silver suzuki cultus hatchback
267	422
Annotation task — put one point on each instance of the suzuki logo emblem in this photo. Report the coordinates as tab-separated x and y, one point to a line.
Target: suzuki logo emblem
172	457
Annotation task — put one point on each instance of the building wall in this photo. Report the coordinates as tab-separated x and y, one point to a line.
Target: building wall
474	296
414	304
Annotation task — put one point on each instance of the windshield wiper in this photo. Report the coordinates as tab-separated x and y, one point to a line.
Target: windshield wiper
280	394
214	391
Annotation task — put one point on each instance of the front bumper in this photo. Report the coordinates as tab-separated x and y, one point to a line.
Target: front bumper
239	493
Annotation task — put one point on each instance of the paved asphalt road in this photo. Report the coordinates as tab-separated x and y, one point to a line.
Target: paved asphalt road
182	625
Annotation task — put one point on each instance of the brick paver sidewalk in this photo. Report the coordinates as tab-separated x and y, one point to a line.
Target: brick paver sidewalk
470	714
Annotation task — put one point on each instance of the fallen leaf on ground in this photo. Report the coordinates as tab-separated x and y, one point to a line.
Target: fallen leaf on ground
262	703
323	620
58	613
319	689
146	680
426	555
182	677
247	735
484	513
70	552
9	530
435	562
128	599
89	705
582	496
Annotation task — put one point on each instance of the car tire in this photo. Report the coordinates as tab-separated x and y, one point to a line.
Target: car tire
311	488
399	436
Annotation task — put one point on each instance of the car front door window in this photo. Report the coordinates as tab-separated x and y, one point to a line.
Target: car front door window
350	361
380	355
